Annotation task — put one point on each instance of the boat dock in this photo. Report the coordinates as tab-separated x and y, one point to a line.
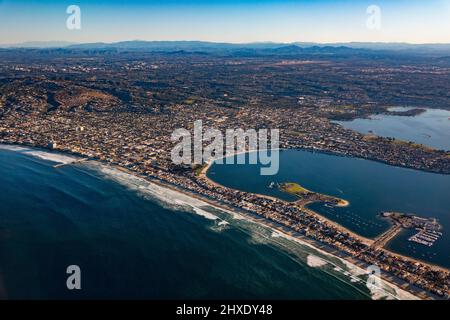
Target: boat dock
425	237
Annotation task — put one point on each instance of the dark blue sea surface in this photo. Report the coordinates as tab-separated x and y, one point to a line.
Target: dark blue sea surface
133	246
370	187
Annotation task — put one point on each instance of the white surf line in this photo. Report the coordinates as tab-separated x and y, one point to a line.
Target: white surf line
42	154
168	196
288	252
402	294
355	270
161	194
315	261
165	195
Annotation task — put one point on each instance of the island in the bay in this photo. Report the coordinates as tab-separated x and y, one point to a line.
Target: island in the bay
119	104
306	196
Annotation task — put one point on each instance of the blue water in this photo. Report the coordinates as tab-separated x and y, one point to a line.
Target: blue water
369	186
131	246
431	128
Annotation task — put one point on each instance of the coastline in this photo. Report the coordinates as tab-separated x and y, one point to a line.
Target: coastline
338	226
400	286
358	266
203	174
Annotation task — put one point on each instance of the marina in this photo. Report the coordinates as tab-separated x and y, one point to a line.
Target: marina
426	237
370	189
427	228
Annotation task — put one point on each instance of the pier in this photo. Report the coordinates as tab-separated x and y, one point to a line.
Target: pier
59	165
384	238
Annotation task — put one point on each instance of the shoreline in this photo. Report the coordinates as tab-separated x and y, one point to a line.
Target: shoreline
351	262
283	231
203	174
394	282
336	225
204	171
320	217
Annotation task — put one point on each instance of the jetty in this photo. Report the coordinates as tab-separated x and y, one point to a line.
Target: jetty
384	238
59	165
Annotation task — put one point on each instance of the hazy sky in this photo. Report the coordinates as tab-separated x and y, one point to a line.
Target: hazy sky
415	21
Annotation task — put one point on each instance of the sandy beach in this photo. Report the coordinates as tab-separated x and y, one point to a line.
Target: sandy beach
342	203
400	286
357	266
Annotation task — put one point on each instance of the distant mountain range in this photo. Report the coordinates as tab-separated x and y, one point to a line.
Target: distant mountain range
39	44
243	49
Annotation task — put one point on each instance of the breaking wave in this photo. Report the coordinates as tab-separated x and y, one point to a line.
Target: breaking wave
44	155
302	250
298	249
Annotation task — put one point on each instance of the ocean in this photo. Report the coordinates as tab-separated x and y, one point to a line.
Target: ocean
136	240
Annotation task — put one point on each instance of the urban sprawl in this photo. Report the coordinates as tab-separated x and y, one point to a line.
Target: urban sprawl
121	108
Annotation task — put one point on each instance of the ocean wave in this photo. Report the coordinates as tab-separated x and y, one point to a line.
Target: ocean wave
179	201
168	198
314	261
176	200
356	274
44	155
53	157
12	147
276	234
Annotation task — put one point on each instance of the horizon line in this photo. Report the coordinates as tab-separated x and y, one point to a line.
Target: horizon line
226	42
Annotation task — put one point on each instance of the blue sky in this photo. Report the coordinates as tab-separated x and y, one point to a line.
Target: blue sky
238	21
